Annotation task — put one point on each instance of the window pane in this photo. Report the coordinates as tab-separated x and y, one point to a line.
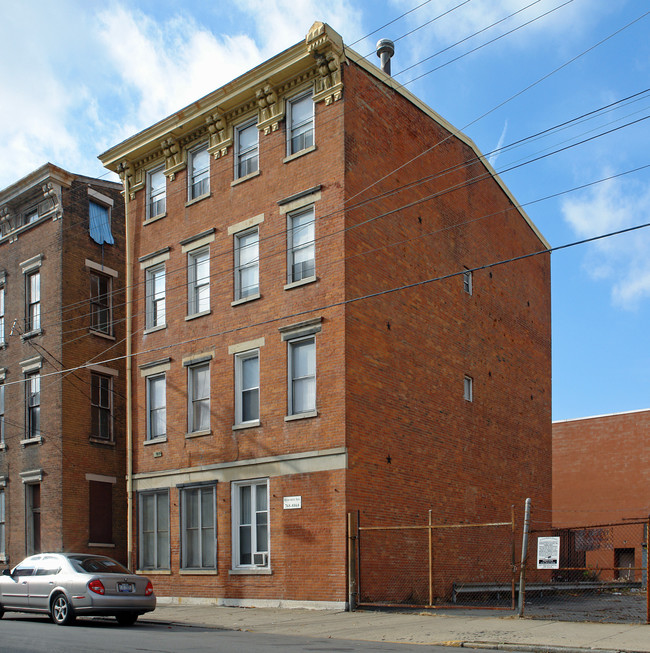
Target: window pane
245	504
304	395
250	405
303	361
245	545
261	497
250	372
200	382
248	248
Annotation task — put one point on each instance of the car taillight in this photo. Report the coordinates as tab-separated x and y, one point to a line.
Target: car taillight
148	590
96	586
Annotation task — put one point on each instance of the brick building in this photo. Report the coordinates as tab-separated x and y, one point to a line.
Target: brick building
314	332
62	454
601	476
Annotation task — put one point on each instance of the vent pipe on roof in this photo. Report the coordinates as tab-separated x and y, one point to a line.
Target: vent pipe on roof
385	50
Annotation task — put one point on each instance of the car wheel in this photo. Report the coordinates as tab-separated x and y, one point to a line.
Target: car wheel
126	618
62	612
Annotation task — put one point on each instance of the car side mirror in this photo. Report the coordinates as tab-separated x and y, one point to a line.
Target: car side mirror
6	572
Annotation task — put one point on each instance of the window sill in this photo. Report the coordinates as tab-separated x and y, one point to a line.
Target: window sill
195	315
241	180
198	434
246	425
159	440
198	572
154	219
106	443
101	334
152	329
244	300
31	334
250	571
154	572
27	441
297	155
306	415
3	446
3	345
302	282
198	199
99	545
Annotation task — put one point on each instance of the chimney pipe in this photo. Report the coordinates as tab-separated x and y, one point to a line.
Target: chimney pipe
385	50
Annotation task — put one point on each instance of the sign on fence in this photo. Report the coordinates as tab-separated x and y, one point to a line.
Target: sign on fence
548	553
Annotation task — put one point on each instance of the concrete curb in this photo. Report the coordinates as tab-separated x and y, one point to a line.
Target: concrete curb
537	648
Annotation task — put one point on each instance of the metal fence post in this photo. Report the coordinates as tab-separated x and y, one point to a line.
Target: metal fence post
647	572
513	562
352	571
430	562
524	559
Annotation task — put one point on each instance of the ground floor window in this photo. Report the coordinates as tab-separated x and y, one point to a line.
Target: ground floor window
153	531
250	511
199	530
33	518
100	512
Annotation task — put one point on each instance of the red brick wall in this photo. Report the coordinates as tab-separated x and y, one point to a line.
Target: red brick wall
407	352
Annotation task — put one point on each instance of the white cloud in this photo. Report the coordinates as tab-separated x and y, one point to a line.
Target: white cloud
492	158
624	260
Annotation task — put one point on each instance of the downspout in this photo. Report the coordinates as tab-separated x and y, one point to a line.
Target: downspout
129	383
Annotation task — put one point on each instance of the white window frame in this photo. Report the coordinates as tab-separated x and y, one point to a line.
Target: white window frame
257	518
157	533
193	399
2	415
467	282
203	532
468	388
101	303
156	195
248	265
306	127
151	409
198	184
32	405
240	360
293	379
32	301
247	162
100	405
307	271
196	303
155	301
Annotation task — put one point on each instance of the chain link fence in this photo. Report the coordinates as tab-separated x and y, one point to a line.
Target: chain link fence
595	572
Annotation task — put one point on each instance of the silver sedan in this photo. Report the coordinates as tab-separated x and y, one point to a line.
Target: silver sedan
67	585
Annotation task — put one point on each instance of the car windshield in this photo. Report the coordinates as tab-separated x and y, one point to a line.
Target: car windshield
97	565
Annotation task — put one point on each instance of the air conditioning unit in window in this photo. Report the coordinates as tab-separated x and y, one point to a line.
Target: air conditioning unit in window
260	559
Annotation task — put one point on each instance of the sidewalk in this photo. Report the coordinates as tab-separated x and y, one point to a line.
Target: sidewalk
474	630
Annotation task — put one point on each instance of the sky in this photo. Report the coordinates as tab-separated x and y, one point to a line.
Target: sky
556	93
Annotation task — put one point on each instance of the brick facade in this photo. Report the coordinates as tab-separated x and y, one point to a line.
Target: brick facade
390	434
61	460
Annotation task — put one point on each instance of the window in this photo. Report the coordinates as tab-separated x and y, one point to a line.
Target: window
100	223
247	387
156	406
100	512
155	296
467	281
3	526
199	167
247	264
199	530
301	245
156	193
2	315
33	517
2	416
300	122
251	524
100	303
154	530
246	149
198	393
198	282
30	216
33	405
101	406
302	375
468	388
32	301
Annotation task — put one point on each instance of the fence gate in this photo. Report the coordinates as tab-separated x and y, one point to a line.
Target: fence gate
436	565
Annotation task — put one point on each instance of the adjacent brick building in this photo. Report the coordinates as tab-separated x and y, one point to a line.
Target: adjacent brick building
62	453
322	322
601	476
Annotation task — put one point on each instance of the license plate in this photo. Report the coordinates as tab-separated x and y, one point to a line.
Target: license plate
125	587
